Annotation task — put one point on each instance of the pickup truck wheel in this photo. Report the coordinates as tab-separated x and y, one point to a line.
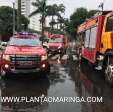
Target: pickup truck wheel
4	74
47	71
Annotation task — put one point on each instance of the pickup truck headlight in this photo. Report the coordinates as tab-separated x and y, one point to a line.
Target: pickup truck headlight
60	47
6	57
44	57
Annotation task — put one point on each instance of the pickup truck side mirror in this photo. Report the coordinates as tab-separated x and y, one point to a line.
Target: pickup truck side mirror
3	45
45	44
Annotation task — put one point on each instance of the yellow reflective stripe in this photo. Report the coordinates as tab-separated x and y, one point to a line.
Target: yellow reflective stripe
106	40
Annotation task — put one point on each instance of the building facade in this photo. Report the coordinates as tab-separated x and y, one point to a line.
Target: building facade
26	9
34	20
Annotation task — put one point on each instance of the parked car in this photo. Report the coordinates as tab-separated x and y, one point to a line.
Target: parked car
24	54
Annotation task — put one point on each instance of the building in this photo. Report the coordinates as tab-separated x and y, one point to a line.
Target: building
34	20
26	9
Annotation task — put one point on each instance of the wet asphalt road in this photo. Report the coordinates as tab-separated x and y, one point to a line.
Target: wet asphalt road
68	79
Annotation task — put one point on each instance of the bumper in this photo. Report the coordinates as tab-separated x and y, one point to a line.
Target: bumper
55	50
43	66
15	71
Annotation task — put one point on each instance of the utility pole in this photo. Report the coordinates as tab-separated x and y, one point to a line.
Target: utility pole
19	16
43	18
13	18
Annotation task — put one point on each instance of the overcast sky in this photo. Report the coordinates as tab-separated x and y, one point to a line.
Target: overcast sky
71	5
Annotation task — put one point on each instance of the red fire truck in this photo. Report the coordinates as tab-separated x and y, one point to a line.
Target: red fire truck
57	43
96	42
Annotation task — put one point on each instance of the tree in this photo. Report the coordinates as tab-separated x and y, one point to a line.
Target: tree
78	17
47	10
60	21
6	21
52	11
55	11
92	13
52	23
41	6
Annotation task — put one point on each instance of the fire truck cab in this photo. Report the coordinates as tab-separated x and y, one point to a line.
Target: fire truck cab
96	42
57	44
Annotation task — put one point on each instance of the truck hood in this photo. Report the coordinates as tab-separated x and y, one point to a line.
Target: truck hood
23	50
55	45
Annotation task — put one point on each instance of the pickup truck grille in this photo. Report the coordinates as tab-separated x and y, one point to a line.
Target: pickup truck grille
26	58
17	59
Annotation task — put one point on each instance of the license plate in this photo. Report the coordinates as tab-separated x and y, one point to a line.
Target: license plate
53	50
25	63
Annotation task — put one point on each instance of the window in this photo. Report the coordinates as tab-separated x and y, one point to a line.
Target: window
93	36
109	25
24	42
56	40
87	36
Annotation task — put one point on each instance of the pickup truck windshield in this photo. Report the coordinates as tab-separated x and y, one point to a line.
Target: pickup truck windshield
56	40
24	42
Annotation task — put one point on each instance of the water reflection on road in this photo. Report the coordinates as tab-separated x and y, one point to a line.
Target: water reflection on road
66	79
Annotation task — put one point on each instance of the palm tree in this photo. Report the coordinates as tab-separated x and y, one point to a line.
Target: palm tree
52	11
52	23
61	8
60	22
41	6
47	10
55	10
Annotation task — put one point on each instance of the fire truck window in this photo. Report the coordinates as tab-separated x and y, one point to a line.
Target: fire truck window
109	25
87	35
93	36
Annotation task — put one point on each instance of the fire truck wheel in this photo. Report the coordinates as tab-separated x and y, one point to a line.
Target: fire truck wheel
109	72
83	60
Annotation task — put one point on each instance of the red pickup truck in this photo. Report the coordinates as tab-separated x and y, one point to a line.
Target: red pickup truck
24	54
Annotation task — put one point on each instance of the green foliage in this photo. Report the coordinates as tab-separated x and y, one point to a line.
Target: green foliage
91	13
41	8
47	10
56	10
78	17
6	20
